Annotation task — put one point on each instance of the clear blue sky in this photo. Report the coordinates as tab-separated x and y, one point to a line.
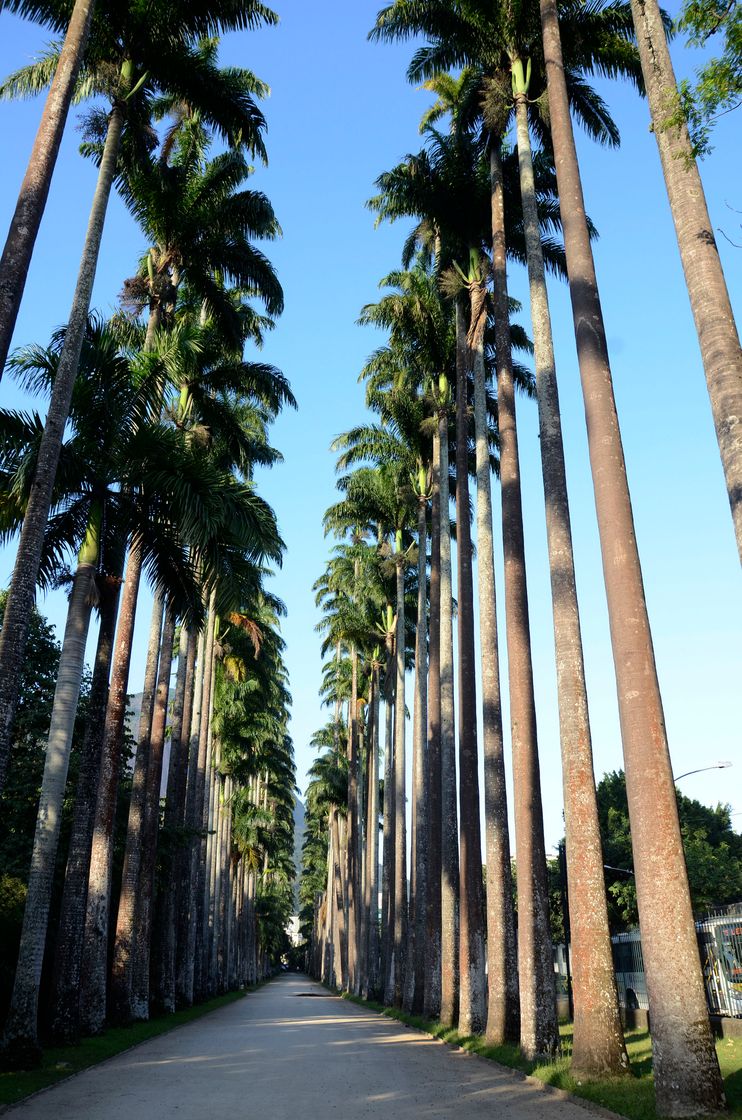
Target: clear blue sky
340	112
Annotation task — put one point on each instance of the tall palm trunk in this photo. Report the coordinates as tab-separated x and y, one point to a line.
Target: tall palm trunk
122	968
23	583
709	298
145	893
174	819
69	940
95	948
372	838
20	1041
29	209
202	878
400	824
196	884
450	828
184	945
598	1047
432	957
420	762
472	998
503	1015
687	1078
538	1022
354	894
387	867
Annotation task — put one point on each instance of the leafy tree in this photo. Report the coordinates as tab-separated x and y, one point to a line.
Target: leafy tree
713	852
718	87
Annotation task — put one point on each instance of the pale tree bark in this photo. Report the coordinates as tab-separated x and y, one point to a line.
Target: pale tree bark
29	209
94	972
686	1069
206	766
20	1040
432	957
539	1033
70	932
707	289
598	1047
372	839
503	1015
387	868
417	947
400	824
121	998
354	893
142	939
25	572
472	997
450	828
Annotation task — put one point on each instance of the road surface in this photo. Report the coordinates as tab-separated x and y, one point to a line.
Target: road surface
291	1051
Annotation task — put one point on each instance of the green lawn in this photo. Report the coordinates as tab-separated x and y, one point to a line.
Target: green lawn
62	1061
632	1097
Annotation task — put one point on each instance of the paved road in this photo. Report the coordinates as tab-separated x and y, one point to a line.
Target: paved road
290	1051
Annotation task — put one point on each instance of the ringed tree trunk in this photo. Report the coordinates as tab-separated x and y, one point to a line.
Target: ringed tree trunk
387	868
354	891
70	933
598	1048
95	948
142	938
503	1013
450	826
372	838
183	946
420	760
432	956
704	276
687	1077
22	589
29	209
122	969
20	1041
472	982
400	824
539	1033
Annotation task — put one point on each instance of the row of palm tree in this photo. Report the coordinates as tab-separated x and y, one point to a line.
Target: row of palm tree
444	391
176	881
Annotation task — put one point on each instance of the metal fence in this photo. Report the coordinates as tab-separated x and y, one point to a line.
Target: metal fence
720	947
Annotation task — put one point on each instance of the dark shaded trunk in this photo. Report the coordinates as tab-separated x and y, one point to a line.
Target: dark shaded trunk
450	826
503	1014
432	961
121	996
65	1025
400	799
598	1047
687	1078
420	767
145	894
22	589
174	820
29	209
387	867
472	998
95	948
538	1022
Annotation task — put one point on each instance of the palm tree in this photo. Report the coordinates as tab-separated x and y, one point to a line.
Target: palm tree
29	209
709	298
687	1074
130	47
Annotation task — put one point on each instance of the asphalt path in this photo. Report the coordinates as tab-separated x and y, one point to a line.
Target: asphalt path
292	1051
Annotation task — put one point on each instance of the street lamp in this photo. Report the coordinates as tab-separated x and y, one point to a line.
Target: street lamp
715	766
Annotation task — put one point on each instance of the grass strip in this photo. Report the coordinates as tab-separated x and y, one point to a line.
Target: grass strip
60	1062
629	1096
